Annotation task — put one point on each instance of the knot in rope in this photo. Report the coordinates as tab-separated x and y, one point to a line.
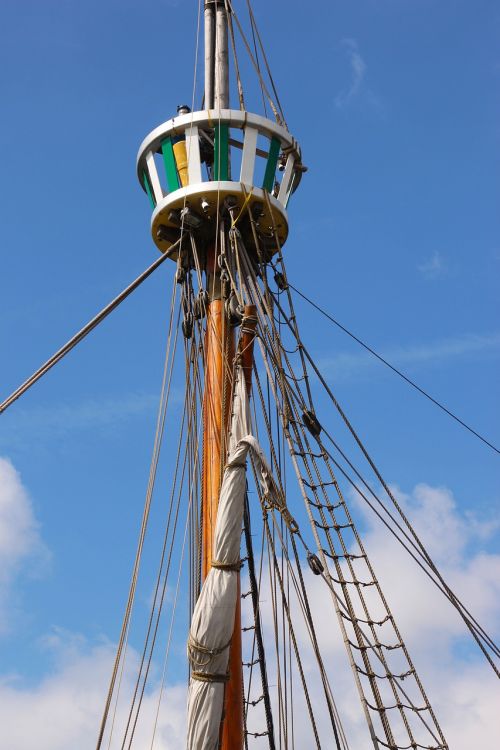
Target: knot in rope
268	502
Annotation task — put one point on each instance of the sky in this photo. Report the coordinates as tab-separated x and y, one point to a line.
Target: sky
393	231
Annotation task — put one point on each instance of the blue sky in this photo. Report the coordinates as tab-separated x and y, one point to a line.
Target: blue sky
394	231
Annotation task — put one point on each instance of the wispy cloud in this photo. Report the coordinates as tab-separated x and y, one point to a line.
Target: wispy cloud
434	267
358	72
347	365
357	89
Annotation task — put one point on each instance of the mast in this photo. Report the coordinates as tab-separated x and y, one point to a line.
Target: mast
219	356
212	197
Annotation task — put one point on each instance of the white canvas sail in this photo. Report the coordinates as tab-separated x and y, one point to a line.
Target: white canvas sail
213	617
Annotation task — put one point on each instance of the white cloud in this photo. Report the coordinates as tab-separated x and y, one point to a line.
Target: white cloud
462	688
64	709
434	267
451	667
449	538
21	546
347	365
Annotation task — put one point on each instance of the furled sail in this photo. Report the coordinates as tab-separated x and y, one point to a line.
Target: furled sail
213	617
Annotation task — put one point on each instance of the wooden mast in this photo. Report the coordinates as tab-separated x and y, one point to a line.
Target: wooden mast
219	358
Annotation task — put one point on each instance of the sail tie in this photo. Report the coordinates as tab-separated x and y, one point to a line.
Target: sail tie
209	677
219	565
196	646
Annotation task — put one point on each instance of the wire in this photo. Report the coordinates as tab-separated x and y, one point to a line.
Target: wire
477	637
395	369
250	14
160	425
255	30
278	116
83	332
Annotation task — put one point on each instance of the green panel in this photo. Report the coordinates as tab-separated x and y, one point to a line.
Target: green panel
272	163
221	152
170	166
147	188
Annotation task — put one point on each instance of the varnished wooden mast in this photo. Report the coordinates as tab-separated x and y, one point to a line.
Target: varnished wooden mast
219	358
219	353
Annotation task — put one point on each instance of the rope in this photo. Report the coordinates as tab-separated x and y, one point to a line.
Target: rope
194	645
377	473
245	203
154	607
301	592
271	79
277	115
395	370
235	57
218	565
83	332
258	640
209	677
169	640
162	410
292	632
256	56
418	552
296	425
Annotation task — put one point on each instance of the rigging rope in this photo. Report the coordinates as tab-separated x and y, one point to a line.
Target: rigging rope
83	332
279	116
377	473
257	57
160	425
255	31
395	369
290	417
416	549
158	592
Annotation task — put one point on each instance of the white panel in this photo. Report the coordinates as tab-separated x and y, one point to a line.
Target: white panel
208	119
286	181
193	154
153	177
248	156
